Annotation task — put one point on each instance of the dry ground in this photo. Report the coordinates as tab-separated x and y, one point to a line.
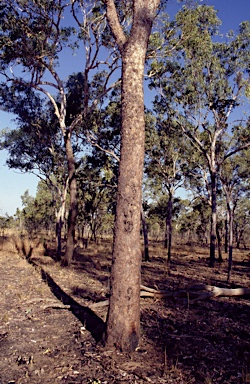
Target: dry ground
49	334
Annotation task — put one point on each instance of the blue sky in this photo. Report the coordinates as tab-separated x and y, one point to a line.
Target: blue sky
13	184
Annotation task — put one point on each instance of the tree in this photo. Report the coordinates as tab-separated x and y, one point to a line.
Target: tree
198	182
38	213
35	146
32	37
123	320
6	222
96	203
165	163
233	176
201	86
106	140
242	222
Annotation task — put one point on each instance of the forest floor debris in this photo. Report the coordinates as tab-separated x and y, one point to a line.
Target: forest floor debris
48	330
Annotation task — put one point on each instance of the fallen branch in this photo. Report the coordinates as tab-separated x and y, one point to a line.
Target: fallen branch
55	306
103	303
196	291
157	294
212	291
148	289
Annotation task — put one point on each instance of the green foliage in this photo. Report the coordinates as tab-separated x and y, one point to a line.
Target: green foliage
194	220
96	198
31	35
202	84
241	220
158	209
6	222
166	151
38	213
36	144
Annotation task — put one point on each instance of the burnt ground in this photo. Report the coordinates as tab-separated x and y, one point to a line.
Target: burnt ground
49	332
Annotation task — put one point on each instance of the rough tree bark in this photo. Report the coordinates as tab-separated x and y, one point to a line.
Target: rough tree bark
123	320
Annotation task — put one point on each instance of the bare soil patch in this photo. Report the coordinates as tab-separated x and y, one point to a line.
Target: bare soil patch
50	332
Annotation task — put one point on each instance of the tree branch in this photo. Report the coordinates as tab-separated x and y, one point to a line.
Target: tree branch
114	24
238	149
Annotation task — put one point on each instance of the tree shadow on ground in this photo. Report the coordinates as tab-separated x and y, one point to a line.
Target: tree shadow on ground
206	341
94	324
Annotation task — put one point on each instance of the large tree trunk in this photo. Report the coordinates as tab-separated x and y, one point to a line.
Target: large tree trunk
70	244
213	220
123	321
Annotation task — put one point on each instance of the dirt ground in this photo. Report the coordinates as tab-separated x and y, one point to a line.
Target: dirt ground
49	328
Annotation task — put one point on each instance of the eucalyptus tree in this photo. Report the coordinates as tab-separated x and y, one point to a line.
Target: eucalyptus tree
165	165
32	38
36	145
38	212
198	183
201	209
6	222
97	192
201	85
123	322
192	221
242	222
234	174
33	35
105	137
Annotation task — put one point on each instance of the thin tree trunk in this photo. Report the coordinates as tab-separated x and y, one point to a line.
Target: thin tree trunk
170	214
168	236
219	244
93	229
213	220
59	225
145	235
60	222
226	234
239	238
230	255
70	243
123	320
